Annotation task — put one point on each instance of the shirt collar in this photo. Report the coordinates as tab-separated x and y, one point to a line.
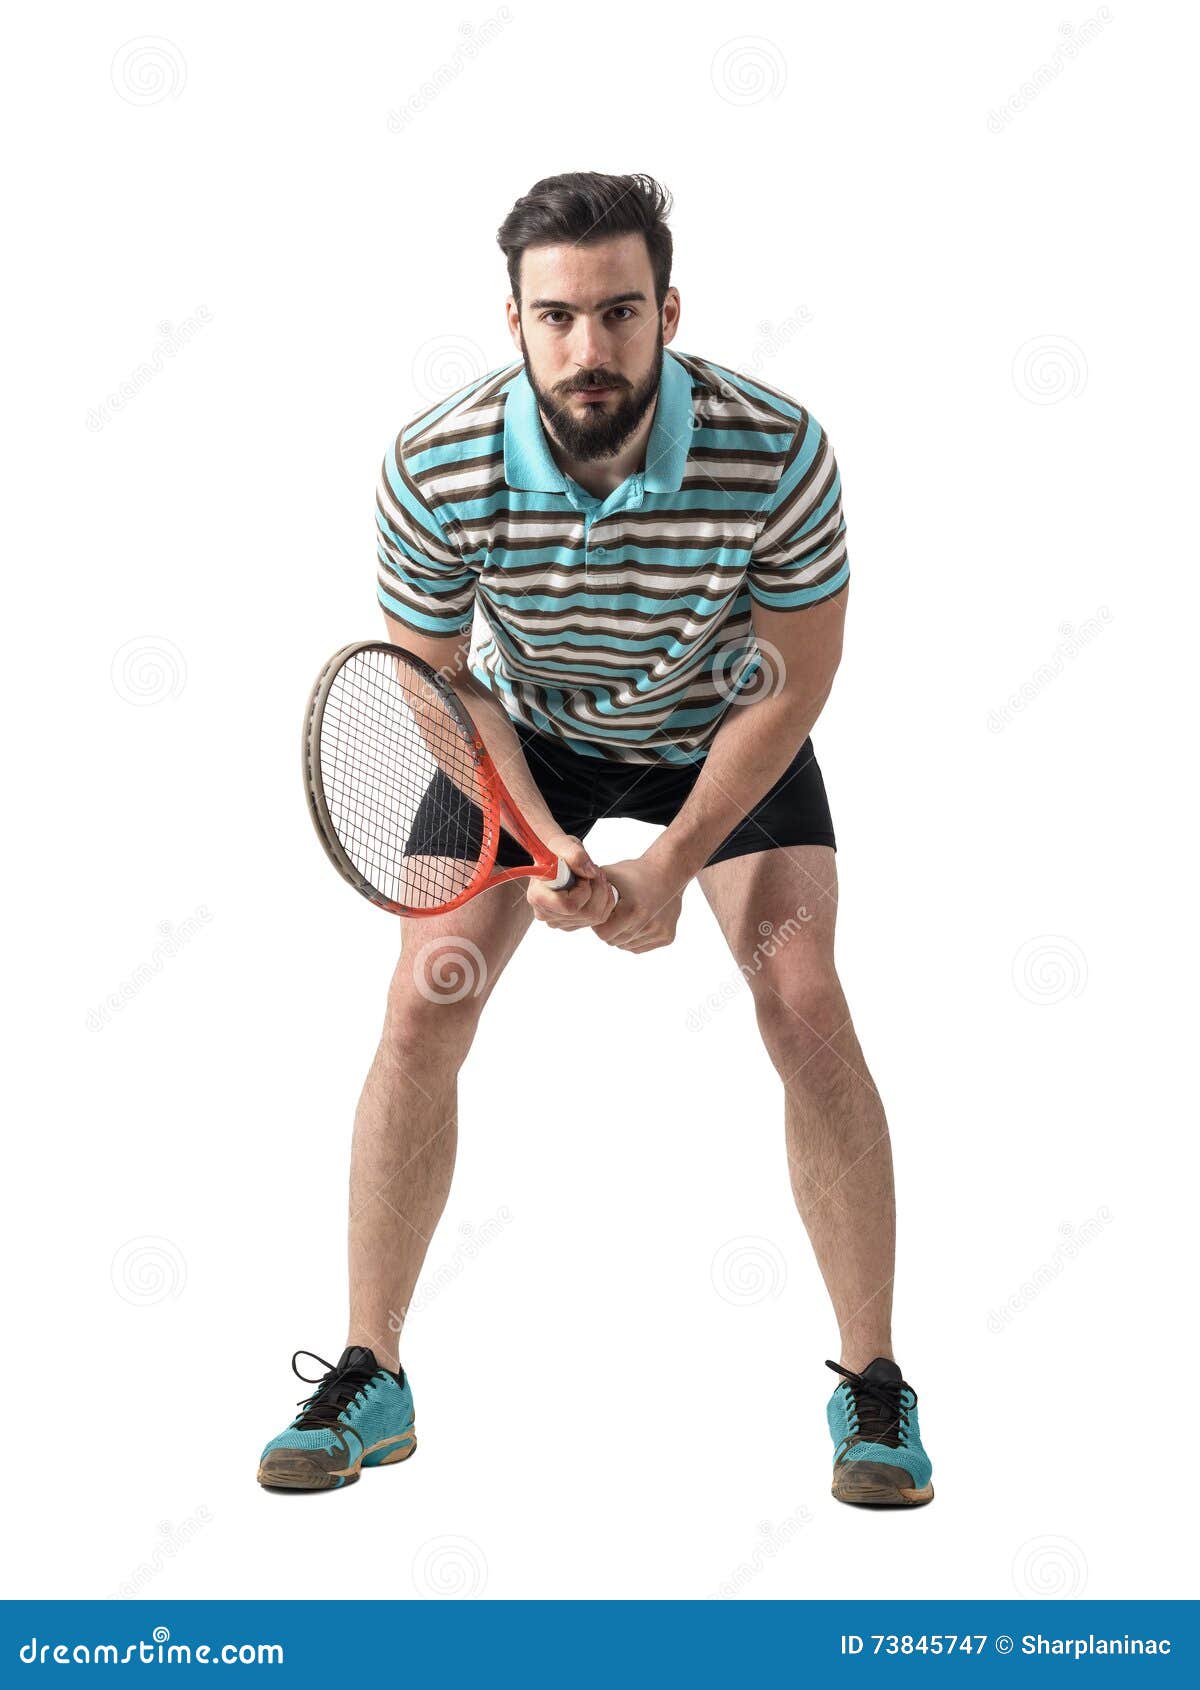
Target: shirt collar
529	466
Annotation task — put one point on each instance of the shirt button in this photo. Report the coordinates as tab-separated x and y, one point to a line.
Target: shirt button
598	551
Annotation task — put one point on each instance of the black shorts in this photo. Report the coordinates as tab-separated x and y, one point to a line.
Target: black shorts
581	790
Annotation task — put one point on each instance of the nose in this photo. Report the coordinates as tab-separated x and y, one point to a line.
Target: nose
589	345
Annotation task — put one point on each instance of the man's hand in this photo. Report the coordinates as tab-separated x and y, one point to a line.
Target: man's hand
648	911
585	904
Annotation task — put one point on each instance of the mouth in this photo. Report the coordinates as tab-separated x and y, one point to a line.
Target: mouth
594	395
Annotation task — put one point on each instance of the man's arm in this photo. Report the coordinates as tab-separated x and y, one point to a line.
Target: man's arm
449	658
797	577
426	589
583	905
756	741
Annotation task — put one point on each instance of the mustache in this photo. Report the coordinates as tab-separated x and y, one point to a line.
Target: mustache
588	386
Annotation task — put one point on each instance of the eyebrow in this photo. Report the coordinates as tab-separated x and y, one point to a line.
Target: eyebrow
601	304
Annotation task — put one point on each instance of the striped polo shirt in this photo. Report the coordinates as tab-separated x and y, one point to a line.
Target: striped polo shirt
619	625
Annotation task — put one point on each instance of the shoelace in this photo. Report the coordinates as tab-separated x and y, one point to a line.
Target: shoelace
335	1391
880	1409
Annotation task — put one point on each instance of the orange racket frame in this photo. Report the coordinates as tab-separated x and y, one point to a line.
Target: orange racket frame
496	802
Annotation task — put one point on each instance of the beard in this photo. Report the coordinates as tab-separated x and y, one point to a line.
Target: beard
601	431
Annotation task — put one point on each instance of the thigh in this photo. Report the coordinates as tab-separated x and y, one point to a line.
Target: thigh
456	959
777	910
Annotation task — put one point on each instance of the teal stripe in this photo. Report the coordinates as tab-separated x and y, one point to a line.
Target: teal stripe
420	582
751	389
437	457
774	598
555	696
441	625
714	438
434	415
710	497
418	514
589	642
591	600
662	559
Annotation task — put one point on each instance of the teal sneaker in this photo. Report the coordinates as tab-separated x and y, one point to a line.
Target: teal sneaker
360	1415
879	1460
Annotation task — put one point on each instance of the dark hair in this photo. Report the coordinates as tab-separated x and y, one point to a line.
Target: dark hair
584	206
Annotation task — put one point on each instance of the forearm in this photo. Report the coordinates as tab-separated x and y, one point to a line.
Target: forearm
750	750
450	658
503	746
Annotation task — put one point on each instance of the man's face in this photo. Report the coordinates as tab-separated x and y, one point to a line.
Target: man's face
592	340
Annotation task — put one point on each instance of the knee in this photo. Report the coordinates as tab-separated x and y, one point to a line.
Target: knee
805	1025
429	1025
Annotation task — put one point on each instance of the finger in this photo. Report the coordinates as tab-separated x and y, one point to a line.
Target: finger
587	895
560	906
575	854
602	902
565	924
586	910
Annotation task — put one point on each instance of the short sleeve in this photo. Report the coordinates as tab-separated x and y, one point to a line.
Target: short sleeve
799	556
423	581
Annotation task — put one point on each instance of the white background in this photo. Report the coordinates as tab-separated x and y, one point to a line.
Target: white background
992	311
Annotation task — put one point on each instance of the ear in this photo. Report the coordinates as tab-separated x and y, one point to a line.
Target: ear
671	309
512	312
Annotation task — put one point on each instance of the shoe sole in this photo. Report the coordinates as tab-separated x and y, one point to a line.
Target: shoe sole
294	1469
874	1484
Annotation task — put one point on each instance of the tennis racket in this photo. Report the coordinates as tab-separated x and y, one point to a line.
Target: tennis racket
403	794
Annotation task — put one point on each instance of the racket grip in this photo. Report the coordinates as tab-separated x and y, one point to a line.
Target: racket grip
566	878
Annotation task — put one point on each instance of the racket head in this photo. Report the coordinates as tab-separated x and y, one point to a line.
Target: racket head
390	757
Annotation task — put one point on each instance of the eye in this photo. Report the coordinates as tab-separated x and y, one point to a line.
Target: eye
628	309
546	316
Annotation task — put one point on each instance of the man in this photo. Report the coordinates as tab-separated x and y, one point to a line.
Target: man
657	550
